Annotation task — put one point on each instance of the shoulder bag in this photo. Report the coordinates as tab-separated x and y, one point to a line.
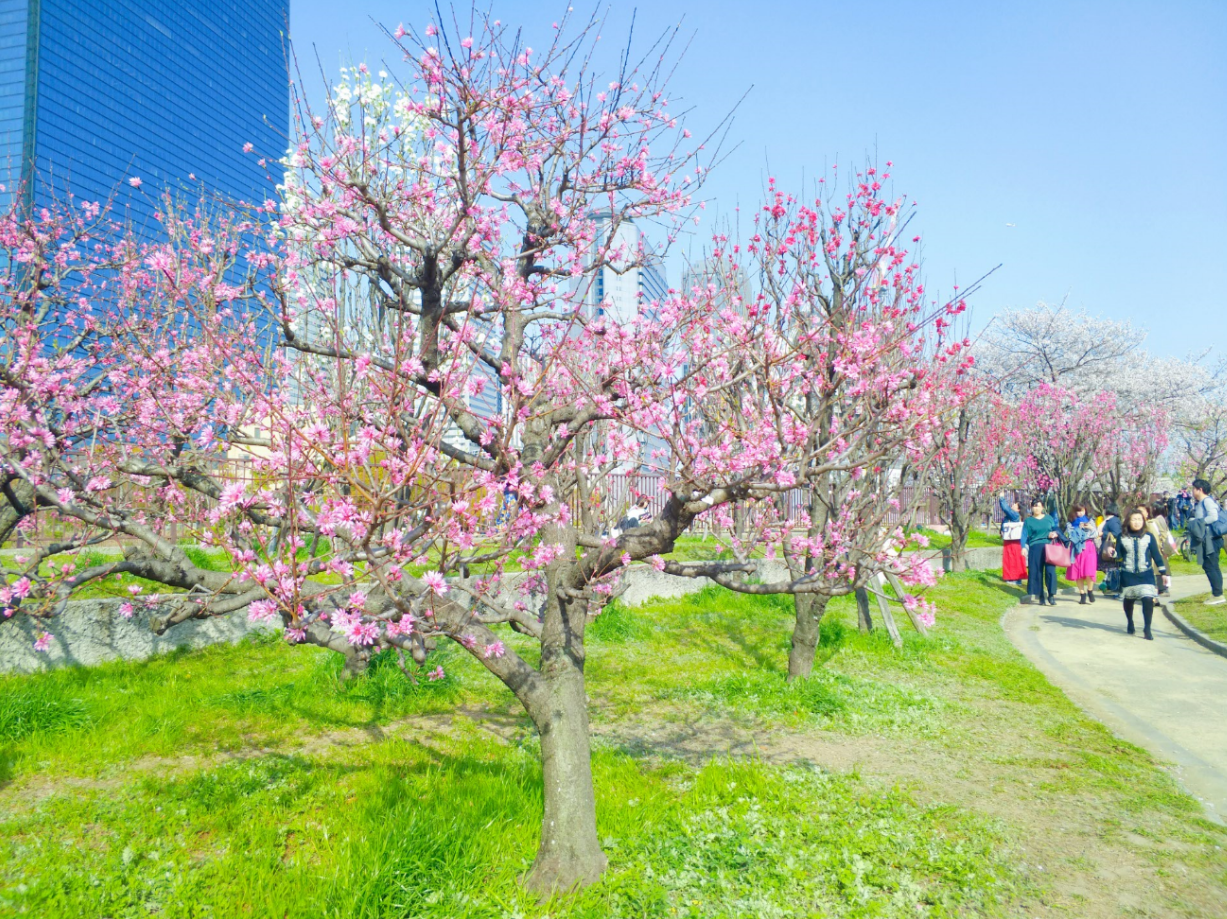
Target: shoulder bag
1057	553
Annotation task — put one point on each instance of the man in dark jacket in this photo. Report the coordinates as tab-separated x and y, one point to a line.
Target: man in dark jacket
1208	546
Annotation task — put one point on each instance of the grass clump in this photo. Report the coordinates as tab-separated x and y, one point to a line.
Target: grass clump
617	624
31	710
830	699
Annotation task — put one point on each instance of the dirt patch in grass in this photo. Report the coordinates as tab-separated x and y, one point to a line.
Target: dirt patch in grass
1088	858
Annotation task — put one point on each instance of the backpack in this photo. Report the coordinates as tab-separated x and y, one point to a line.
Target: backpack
1219	527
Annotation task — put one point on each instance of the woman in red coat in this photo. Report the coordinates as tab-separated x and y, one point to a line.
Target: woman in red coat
1013	564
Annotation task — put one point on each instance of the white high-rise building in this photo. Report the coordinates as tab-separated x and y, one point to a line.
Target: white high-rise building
632	277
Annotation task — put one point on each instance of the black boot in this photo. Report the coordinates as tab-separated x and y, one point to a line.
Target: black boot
1090	595
1082	599
1129	629
1148	612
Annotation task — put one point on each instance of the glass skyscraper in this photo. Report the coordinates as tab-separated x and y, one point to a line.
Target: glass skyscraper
94	93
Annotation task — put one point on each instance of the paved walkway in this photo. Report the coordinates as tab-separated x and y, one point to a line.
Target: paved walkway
1168	695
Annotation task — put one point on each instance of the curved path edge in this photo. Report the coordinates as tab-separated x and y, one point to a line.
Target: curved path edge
1204	640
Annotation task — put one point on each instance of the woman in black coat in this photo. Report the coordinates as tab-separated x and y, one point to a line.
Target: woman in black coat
1137	551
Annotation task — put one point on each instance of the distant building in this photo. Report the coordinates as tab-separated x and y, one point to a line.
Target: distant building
96	92
633	277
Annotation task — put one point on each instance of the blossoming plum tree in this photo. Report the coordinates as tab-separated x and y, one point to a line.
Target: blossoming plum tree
970	468
862	380
401	393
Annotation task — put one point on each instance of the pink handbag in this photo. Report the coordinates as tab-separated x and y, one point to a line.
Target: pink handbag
1056	553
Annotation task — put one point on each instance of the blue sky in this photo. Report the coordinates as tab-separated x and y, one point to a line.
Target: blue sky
1096	128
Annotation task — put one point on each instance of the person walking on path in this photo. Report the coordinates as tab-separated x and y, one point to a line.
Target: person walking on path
1108	563
1080	534
1013	565
1037	530
1138	553
1156	526
1210	543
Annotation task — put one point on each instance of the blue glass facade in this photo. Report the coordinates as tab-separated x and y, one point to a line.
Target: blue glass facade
14	26
95	92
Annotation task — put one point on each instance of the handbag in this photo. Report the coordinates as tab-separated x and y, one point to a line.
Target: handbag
1056	553
1107	549
1011	532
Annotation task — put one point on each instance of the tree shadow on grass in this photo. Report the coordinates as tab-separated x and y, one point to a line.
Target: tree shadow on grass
1005	587
762	649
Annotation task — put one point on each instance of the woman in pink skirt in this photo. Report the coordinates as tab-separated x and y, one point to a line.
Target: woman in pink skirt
1080	534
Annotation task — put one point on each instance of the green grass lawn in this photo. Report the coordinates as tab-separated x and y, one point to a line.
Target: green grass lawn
1178	565
1211	621
948	778
976	539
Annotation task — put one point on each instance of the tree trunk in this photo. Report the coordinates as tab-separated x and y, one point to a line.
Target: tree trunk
570	855
805	635
960	527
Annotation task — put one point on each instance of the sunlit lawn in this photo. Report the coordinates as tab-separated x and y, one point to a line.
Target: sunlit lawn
246	780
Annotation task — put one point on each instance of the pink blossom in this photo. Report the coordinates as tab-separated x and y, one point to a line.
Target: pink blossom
262	611
435	582
126	610
135	182
356	629
231	497
402	626
494	649
43	642
436	674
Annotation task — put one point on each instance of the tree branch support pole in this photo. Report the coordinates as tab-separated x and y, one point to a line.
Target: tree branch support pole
884	608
